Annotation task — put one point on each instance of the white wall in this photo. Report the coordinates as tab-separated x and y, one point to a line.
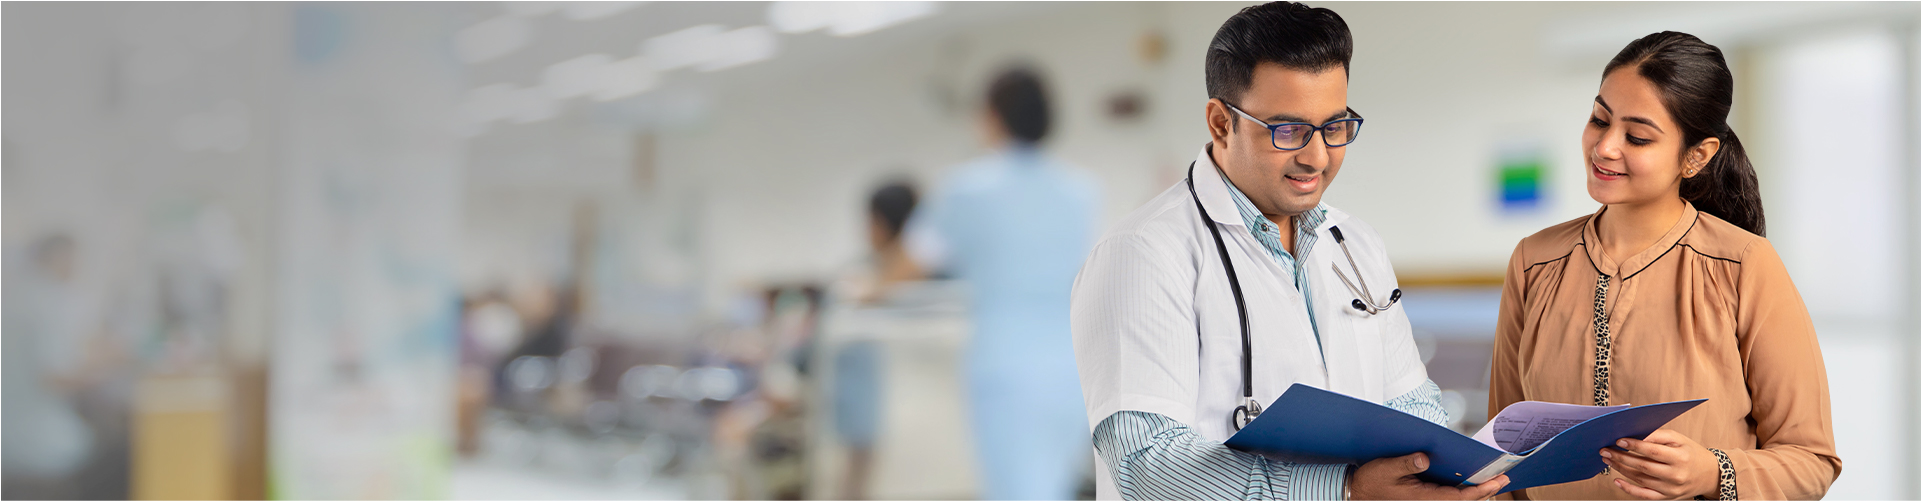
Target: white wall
785	157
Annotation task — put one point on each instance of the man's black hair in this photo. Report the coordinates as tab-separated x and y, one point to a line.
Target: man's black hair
891	204
1019	98
1295	36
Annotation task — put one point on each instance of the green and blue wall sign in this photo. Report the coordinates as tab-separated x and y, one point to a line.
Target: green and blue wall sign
1521	181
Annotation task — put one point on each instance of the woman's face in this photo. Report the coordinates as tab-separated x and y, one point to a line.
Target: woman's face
1633	147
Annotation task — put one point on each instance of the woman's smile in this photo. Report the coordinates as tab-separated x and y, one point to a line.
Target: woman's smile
1604	174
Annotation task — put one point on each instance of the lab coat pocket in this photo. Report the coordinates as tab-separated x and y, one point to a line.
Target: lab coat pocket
1360	340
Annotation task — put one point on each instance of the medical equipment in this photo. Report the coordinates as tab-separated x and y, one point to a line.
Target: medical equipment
1246	412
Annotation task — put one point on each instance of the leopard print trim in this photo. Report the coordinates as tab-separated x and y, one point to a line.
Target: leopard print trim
1728	492
1603	341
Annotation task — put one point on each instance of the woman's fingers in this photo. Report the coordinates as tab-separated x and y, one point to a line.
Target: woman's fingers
1637	463
1667	487
1636	475
1652	450
1668	438
1638	491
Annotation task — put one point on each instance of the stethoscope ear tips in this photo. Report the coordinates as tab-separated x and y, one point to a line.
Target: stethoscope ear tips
1358	306
1394	297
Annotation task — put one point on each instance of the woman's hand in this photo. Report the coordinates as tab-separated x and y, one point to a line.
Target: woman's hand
1668	465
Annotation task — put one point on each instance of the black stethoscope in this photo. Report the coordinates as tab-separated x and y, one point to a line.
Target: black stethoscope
1363	302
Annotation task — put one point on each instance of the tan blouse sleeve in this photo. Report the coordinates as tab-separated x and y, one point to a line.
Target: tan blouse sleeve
1504	383
1787	382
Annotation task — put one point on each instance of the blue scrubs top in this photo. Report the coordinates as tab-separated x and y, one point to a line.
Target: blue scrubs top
1016	226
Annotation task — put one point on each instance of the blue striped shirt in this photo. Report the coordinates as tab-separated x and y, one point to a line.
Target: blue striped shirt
1151	456
1269	234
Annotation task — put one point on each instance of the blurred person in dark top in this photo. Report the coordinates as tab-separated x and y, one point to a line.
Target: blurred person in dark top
857	365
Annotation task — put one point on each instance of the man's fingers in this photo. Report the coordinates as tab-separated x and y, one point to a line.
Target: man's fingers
1636	490
1410	464
1486	490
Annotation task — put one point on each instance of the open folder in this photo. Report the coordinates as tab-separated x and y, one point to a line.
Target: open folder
1534	443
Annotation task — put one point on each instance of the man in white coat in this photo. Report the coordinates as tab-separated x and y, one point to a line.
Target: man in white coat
1158	338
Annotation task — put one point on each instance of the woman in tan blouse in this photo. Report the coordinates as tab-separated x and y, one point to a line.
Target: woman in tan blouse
1669	292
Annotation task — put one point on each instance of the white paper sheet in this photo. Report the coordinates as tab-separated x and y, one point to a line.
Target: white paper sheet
1523	426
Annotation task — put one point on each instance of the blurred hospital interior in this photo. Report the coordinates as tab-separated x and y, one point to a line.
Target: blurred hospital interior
718	250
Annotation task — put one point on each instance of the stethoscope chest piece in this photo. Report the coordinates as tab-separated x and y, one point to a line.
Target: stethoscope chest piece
1246	413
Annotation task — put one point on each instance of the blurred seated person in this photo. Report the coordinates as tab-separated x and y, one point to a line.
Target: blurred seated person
889	265
855	390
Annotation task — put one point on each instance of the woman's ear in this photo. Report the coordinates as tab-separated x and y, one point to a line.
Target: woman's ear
1698	157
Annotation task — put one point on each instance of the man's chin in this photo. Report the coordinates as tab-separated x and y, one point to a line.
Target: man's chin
1300	205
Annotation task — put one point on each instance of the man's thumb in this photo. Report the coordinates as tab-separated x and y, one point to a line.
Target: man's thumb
1413	463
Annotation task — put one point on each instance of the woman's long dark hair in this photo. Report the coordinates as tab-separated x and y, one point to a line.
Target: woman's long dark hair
1698	90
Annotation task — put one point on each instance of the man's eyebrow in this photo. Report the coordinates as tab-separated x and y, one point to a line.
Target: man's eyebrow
1285	118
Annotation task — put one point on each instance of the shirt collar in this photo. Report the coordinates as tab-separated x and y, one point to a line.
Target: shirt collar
1211	188
1021	153
1221	198
1251	215
1630	265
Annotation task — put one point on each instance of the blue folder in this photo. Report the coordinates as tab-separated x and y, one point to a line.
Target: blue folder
1312	425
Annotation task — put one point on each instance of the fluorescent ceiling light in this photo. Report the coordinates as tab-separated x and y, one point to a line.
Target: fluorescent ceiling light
575	77
598	76
588	11
530	9
624	78
492	38
708	47
844	19
577	11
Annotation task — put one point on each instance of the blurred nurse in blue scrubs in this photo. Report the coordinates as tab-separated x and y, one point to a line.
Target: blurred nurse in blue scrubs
1015	225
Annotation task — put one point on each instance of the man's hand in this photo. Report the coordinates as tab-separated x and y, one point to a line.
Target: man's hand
1668	465
1393	478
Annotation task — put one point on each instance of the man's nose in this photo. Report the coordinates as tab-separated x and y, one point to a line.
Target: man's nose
1314	154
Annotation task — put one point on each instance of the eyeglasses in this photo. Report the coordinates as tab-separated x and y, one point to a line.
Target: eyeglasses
1292	136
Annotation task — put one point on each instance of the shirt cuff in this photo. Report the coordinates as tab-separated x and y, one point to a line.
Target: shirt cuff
1725	487
1317	481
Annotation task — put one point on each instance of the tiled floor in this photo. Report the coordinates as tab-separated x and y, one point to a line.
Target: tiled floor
477	480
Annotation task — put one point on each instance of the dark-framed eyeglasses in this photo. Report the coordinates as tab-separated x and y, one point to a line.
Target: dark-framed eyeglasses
1292	136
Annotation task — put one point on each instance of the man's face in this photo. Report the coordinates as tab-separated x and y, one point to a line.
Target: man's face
1280	183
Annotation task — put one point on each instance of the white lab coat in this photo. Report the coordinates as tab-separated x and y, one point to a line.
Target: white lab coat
1156	330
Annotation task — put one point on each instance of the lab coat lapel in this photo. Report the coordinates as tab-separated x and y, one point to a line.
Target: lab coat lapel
1212	190
1347	366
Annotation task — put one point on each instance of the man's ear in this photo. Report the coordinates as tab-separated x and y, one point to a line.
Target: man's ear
1220	121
